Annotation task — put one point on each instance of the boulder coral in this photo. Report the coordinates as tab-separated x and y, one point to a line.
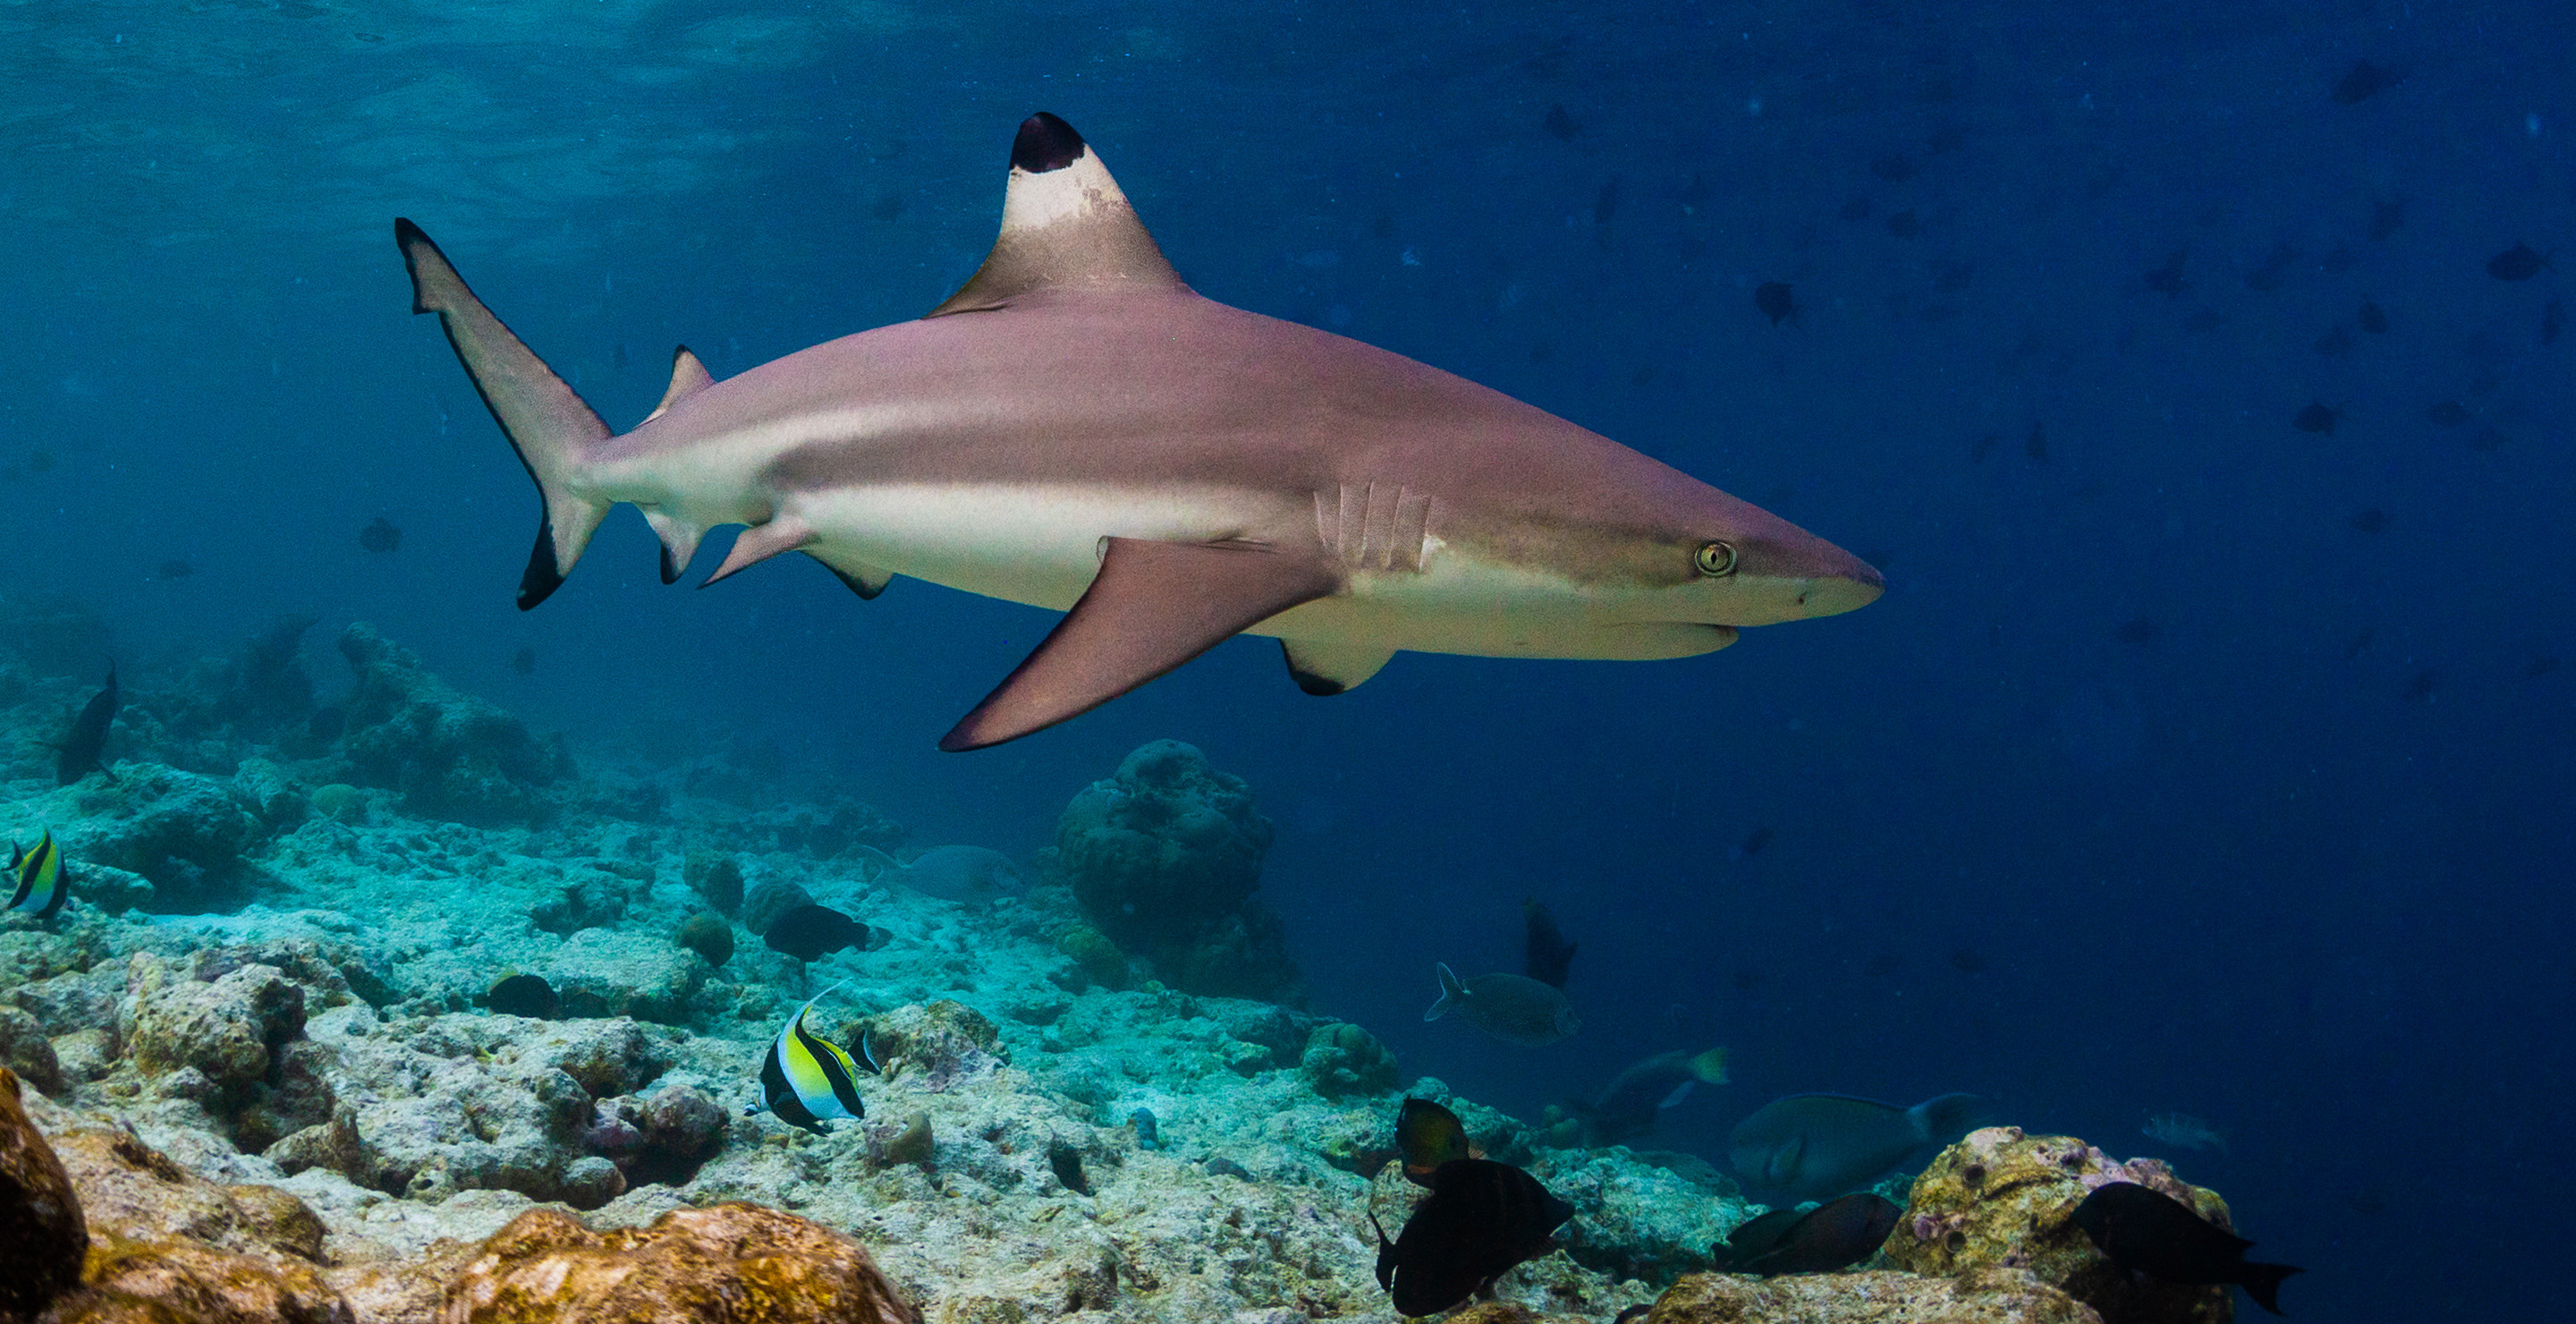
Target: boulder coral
2000	1198
1164	858
729	1262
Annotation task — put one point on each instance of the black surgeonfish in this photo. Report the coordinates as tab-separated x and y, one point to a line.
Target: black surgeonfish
810	933
1546	955
36	873
76	755
1834	1235
2149	1232
1428	1135
1481	1218
807	1078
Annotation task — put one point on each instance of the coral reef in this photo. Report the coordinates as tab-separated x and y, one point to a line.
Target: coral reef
450	754
1164	857
1980	1296
1343	1059
732	1261
2002	1198
707	935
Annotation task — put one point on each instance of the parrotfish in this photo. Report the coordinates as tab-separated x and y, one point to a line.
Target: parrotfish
1076	429
1513	1008
36	873
807	1078
1636	1096
1816	1146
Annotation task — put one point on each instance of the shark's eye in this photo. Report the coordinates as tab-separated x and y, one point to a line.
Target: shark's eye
1715	559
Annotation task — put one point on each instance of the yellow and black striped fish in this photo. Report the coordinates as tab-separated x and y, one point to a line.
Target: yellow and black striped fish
36	877
808	1078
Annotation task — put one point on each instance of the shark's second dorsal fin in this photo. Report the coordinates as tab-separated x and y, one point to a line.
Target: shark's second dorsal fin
688	377
1065	226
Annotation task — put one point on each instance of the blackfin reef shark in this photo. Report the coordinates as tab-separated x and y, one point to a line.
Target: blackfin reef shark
1077	429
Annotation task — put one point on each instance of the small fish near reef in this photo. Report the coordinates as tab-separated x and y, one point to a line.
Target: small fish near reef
1513	1008
2149	1232
810	933
807	1078
37	886
967	875
523	995
1834	1235
1641	1093
77	754
2182	1130
1076	429
1816	1146
1428	1135
1481	1218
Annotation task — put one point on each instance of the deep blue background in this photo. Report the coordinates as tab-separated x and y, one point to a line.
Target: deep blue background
2291	855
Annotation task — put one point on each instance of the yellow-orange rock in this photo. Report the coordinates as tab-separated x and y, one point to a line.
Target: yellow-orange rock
1984	1296
727	1264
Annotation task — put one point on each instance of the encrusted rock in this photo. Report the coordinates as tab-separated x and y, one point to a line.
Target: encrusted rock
731	1262
41	1227
139	1194
1343	1059
2002	1198
160	1281
1983	1296
228	1029
941	1043
452	755
182	831
25	1049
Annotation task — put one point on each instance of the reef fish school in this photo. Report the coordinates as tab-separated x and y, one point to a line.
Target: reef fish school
1077	429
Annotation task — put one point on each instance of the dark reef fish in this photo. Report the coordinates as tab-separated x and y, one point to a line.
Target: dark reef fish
2149	1232
380	536
1639	1094
807	1078
36	877
1513	1008
2319	418
1834	1235
76	755
2519	262
1546	955
523	995
1481	1218
1428	1136
810	933
1815	1146
2364	81
1776	301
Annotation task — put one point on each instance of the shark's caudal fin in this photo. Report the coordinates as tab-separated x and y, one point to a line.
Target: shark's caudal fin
547	423
1065	226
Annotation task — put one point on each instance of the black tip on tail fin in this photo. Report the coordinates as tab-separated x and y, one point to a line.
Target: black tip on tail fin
542	579
1045	143
2263	1283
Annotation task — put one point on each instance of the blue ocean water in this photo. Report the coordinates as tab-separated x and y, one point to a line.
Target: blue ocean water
2166	777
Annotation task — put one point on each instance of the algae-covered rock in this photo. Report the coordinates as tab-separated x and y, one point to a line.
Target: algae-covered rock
183	832
25	1049
1096	957
1982	1296
708	935
1343	1059
229	1029
938	1044
2002	1198
40	1218
1164	858
159	1281
450	754
715	876
729	1262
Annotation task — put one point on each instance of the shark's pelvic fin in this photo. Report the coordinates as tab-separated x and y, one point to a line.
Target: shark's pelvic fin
547	423
785	533
688	377
1065	226
867	581
1330	668
1152	607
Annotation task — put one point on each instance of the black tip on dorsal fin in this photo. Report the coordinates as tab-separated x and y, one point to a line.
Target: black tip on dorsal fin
541	579
1045	143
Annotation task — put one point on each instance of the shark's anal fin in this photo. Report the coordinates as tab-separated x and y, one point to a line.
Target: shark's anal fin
783	533
1330	668
1152	607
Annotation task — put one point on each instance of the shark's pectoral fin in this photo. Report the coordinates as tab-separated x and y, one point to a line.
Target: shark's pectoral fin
785	533
1330	668
867	581
1152	607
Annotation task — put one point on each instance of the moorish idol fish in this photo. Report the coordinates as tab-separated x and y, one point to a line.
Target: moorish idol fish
808	1078
36	878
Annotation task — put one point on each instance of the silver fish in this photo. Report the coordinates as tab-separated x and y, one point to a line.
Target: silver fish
2184	1131
1513	1008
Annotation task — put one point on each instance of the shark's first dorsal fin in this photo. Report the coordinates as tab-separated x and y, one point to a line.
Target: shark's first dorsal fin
688	377
1065	225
